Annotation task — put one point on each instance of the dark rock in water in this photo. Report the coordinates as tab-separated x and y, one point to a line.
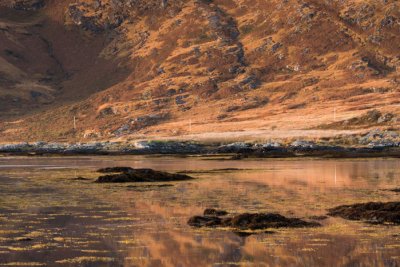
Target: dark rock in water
115	169
396	190
205	221
250	221
214	212
374	212
257	221
140	175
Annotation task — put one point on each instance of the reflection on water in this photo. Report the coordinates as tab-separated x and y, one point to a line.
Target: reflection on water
46	218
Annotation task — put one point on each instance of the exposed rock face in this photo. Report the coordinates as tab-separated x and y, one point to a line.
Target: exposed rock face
374	212
100	15
81	15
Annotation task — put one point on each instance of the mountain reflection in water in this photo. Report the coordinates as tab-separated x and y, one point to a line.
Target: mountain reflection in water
48	218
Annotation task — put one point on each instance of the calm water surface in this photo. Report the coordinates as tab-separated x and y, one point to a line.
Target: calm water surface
49	219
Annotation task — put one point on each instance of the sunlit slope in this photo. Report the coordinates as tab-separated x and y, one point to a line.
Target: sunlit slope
169	68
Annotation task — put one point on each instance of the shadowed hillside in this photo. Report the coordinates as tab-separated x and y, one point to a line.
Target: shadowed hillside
136	68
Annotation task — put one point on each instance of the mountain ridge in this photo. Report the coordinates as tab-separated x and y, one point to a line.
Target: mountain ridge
129	68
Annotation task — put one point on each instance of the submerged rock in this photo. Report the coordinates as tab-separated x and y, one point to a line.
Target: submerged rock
127	175
375	212
249	221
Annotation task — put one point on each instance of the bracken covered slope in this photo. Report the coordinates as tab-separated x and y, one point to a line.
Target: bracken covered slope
141	68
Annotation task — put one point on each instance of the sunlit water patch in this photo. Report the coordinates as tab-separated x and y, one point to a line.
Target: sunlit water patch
48	218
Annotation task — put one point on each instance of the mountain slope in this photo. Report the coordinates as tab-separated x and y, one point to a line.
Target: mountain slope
134	68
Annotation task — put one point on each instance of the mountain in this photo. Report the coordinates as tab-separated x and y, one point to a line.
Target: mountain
125	69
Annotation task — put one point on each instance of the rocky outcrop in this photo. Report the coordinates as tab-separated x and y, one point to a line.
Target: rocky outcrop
159	147
92	17
373	212
248	221
99	15
380	139
130	175
376	143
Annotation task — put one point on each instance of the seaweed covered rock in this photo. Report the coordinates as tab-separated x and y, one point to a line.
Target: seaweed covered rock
374	212
249	221
257	221
127	174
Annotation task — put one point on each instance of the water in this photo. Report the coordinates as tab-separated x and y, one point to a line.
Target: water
48	219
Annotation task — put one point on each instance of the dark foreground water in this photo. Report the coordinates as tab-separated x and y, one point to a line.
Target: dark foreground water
48	219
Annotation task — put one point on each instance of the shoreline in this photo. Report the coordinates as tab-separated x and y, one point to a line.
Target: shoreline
235	151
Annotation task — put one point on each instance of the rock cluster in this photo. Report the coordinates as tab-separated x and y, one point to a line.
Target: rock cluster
380	139
98	15
247	221
140	147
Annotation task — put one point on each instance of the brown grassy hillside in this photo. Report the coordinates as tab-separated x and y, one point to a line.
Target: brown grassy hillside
136	68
